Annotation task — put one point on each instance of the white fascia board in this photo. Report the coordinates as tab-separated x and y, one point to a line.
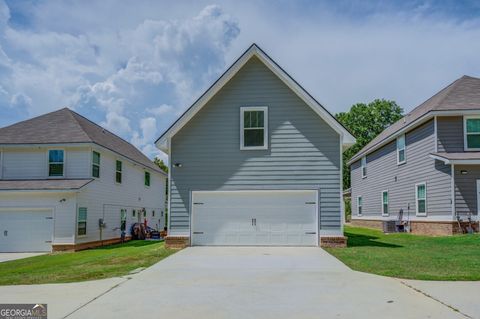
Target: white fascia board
419	121
254	50
457	161
392	137
442	159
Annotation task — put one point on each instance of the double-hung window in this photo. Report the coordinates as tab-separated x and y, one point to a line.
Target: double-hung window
364	166
472	133
82	221
401	155
123	219
421	198
55	163
118	172
385	203
359	205
95	164
254	128
147	179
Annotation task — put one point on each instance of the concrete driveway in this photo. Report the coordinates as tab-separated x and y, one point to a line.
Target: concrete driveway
14	256
261	282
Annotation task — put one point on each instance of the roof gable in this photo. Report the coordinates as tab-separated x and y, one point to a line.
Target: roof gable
66	126
253	51
54	127
461	95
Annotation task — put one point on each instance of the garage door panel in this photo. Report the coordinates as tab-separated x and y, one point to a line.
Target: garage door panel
26	231
254	218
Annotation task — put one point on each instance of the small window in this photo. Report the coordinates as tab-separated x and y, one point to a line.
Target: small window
55	163
147	178
153	213
82	221
254	128
118	172
359	205
472	133
401	156
123	219
134	213
364	166
421	198
144	213
385	203
95	164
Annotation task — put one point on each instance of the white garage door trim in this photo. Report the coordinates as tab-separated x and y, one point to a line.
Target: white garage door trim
49	211
313	191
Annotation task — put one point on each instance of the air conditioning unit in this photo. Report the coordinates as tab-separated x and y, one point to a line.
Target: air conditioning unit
389	226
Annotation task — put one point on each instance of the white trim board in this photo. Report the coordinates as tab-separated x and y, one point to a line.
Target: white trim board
254	51
419	121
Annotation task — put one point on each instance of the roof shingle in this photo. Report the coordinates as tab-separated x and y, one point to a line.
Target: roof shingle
67	126
462	94
43	184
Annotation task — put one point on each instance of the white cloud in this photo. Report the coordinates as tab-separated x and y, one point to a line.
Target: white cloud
155	58
160	110
113	75
117	124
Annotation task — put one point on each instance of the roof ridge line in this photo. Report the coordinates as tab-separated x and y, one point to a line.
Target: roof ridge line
101	127
70	113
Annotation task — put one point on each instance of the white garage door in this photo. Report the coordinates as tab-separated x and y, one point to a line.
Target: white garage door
274	218
26	231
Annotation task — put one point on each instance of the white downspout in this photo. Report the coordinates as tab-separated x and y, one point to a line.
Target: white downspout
453	190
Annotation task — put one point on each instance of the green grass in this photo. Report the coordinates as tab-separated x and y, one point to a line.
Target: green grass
103	262
411	256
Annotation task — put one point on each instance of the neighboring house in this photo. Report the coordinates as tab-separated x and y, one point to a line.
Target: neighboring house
255	160
61	174
426	165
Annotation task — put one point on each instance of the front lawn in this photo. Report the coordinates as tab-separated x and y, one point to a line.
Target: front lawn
411	256
98	263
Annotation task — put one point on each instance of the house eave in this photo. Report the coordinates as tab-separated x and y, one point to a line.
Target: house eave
347	138
421	120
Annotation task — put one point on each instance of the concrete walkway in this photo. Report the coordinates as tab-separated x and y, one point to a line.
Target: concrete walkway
15	256
261	282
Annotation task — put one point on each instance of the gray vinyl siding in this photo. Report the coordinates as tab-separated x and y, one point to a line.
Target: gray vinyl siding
383	173
466	189
450	134
303	153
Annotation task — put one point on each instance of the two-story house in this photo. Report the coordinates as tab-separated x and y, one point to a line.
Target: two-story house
68	184
256	160
427	166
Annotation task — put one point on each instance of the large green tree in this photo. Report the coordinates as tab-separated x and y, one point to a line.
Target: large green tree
365	122
161	164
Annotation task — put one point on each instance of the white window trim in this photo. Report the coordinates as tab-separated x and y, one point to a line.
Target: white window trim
116	171
388	203
150	177
363	162
99	164
86	223
48	162
265	127
358	206
404	150
416	199
465	143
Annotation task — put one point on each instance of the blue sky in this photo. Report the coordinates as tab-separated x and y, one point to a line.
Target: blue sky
134	66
